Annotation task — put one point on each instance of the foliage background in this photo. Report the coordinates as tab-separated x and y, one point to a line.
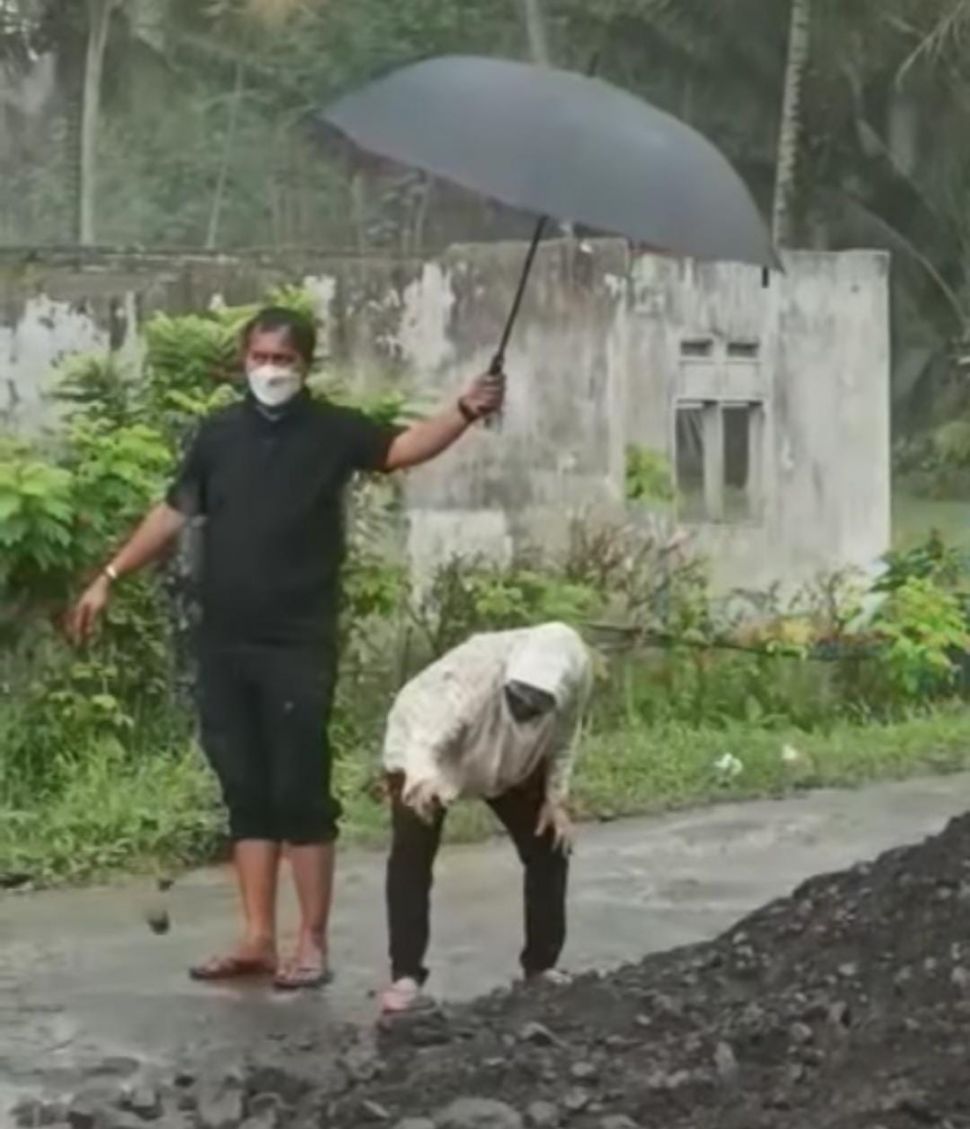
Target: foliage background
200	133
189	124
697	697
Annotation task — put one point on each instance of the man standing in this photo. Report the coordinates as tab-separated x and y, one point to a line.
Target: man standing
497	718
268	475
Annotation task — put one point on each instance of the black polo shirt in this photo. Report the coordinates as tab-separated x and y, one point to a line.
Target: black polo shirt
271	491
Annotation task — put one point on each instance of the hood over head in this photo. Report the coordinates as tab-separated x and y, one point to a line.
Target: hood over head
551	657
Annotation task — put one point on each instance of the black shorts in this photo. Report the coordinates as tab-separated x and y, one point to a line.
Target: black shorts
264	717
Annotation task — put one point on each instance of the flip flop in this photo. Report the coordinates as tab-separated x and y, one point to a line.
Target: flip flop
299	978
232	968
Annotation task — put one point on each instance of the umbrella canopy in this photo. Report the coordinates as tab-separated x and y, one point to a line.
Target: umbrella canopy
557	143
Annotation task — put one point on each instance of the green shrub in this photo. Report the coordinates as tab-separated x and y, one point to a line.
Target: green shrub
62	506
925	628
648	476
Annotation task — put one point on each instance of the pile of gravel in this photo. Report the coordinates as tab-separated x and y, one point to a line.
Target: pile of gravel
845	1005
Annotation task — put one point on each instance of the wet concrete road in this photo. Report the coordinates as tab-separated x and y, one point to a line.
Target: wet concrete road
82	979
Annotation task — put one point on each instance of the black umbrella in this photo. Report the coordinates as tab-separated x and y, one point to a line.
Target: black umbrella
559	144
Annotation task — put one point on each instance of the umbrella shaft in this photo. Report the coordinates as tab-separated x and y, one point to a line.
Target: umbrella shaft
499	359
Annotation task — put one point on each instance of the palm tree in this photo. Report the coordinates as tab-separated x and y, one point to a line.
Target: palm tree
789	134
949	25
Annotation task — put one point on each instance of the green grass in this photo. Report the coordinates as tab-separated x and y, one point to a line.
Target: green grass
915	518
651	770
114	813
162	813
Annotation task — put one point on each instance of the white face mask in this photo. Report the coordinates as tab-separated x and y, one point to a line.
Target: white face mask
274	385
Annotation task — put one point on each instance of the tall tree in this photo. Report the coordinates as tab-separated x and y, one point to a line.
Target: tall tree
99	13
76	36
222	180
535	27
790	131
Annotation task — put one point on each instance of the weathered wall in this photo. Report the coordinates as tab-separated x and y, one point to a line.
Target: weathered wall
820	333
597	362
429	326
560	447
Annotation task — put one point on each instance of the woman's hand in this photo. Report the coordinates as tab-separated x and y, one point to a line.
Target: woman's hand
554	820
423	799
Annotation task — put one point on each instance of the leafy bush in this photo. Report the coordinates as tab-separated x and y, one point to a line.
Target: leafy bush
925	627
951	443
37	526
648	476
98	386
933	559
63	506
468	597
935	464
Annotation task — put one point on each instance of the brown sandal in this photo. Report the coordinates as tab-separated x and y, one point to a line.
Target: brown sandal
232	968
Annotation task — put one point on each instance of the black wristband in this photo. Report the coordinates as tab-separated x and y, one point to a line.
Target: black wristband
468	413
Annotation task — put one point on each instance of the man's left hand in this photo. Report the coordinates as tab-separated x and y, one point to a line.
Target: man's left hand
486	395
554	820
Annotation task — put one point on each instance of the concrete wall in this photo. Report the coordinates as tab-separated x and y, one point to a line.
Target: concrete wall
821	373
596	363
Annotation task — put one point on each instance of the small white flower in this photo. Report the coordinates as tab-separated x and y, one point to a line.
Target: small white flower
729	766
791	756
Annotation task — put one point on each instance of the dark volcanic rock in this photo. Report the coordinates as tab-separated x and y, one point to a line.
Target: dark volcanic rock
814	1012
478	1113
844	1006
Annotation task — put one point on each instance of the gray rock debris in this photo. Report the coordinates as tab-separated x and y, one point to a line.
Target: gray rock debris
221	1106
478	1113
618	1121
542	1115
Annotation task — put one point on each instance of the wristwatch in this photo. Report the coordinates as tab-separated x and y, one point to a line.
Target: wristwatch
110	572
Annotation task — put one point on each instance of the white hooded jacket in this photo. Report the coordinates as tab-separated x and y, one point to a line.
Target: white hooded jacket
450	729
